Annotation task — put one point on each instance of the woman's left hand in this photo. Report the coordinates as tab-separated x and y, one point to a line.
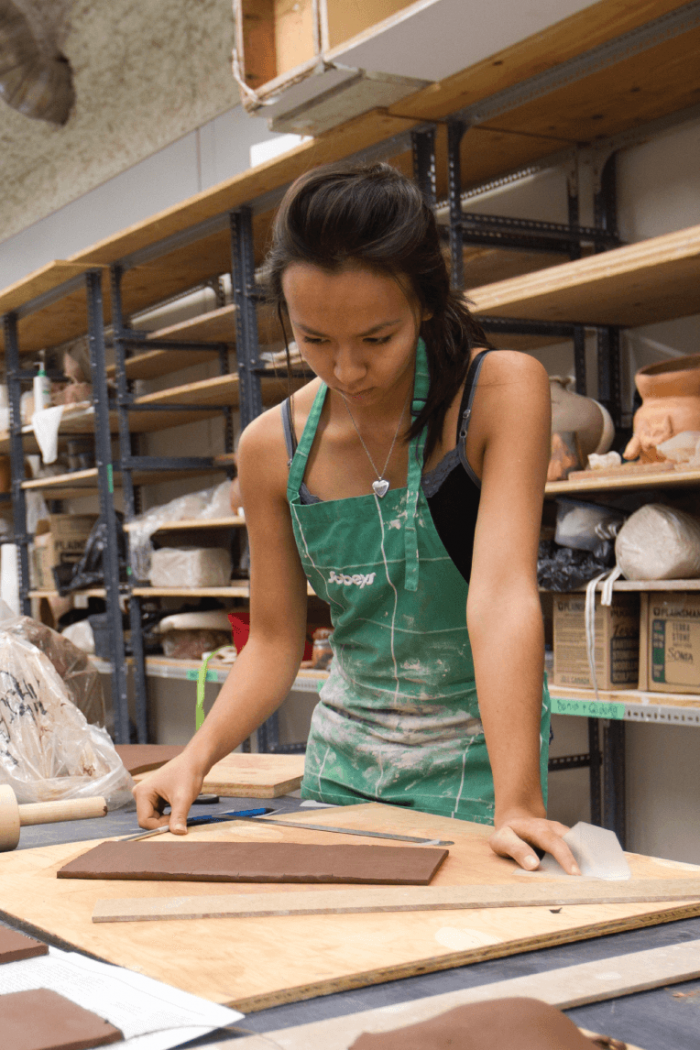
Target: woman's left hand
517	834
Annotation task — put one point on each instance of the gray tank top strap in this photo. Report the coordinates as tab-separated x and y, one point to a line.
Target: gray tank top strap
466	412
290	438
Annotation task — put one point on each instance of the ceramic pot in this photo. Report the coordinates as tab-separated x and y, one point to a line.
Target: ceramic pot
580	426
670	392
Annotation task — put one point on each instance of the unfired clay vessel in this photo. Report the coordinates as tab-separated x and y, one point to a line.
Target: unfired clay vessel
580	426
670	392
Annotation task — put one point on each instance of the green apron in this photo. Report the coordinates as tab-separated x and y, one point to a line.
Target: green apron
398	718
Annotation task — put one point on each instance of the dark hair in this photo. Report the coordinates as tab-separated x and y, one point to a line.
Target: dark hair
371	215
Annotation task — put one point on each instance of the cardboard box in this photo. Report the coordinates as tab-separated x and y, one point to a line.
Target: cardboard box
670	642
59	539
616	642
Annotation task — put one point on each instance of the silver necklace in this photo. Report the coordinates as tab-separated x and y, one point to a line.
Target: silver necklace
381	485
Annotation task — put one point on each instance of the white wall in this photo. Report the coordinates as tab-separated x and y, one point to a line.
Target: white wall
212	153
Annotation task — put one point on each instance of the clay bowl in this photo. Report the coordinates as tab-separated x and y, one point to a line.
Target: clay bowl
675	378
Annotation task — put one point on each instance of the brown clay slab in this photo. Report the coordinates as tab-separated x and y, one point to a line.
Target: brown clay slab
256	862
44	1020
142	758
15	945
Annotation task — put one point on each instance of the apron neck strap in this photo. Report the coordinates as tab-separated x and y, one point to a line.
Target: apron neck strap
421	385
298	466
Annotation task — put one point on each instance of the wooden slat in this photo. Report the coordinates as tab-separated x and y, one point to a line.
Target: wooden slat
642	283
397	899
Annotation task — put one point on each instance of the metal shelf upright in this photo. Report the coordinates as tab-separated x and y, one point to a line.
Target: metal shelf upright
92	281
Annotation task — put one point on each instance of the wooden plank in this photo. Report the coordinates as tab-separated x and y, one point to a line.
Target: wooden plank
41	281
240	590
428	898
258	962
565	987
642	283
625	480
625	696
195	523
240	775
572	36
637	89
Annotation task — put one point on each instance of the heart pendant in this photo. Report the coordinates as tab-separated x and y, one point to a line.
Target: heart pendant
380	487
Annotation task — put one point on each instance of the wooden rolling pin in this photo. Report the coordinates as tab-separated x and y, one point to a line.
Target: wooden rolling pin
14	816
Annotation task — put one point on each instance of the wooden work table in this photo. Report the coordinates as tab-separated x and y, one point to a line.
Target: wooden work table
654	1020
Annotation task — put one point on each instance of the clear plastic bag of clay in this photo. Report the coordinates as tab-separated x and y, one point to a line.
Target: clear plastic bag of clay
206	504
81	680
659	543
48	750
587	527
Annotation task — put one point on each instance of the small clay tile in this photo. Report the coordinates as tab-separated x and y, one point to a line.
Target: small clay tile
142	758
15	945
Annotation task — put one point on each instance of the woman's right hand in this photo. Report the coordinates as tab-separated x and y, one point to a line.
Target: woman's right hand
176	784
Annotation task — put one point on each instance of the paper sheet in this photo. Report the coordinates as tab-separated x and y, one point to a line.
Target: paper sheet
152	1015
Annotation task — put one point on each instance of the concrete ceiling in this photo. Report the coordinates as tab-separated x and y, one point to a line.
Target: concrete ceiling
145	72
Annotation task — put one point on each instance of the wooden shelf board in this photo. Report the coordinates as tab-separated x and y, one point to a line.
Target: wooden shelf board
652	280
625	696
640	585
196	523
75	479
240	590
83	482
589	28
91	592
670	479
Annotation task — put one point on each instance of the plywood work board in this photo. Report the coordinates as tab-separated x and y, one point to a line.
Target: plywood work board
252	776
254	963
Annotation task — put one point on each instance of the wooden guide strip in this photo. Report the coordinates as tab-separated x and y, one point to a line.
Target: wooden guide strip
564	988
396	899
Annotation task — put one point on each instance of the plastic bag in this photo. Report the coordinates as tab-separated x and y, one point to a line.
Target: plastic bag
587	527
81	680
47	749
564	569
207	504
659	543
89	571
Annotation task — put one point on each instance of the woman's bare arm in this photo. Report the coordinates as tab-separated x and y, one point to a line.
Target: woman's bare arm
264	672
503	608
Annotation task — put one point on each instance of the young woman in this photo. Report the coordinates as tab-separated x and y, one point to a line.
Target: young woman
405	483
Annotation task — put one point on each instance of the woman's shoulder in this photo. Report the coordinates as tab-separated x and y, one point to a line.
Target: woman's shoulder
264	438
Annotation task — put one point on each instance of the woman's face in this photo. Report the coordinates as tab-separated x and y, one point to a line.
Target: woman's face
356	329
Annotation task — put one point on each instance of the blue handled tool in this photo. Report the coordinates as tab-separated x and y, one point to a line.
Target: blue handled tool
207	818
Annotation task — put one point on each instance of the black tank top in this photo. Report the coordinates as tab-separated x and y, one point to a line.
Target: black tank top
452	489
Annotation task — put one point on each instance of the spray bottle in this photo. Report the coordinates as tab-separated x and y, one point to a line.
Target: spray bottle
42	385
